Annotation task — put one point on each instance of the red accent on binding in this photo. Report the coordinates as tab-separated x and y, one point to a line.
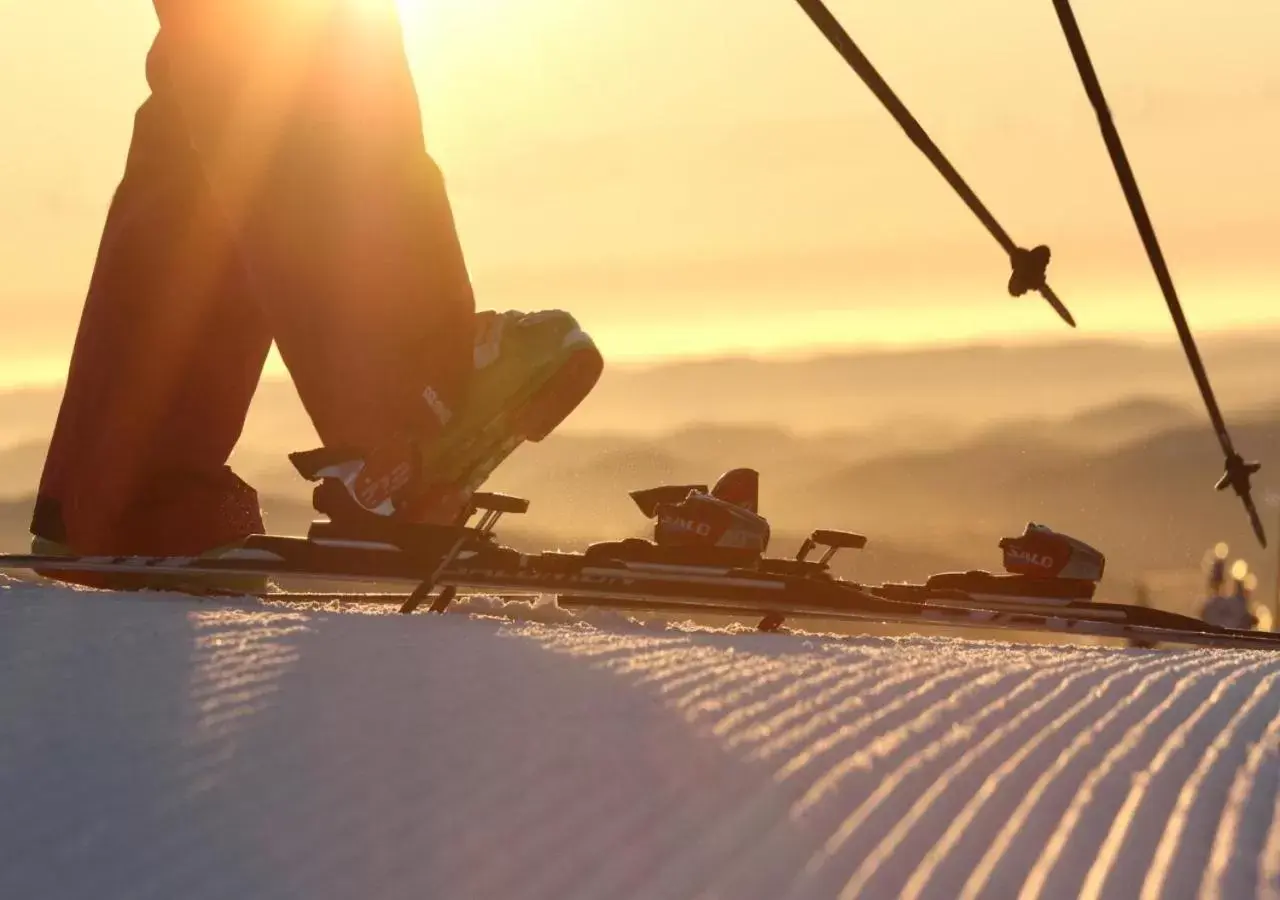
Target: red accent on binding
741	487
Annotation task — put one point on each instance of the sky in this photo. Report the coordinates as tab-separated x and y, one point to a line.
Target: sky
694	177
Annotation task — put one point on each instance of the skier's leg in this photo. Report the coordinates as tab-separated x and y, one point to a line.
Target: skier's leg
307	124
165	363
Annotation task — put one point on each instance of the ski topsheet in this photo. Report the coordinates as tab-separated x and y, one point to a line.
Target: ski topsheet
792	589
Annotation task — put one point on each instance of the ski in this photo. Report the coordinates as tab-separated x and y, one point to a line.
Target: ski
1176	630
707	558
771	600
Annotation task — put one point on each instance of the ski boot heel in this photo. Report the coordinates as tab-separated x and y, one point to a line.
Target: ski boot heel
562	393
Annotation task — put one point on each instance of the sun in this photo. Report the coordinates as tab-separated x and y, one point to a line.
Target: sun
448	40
414	13
382	7
410	12
478	19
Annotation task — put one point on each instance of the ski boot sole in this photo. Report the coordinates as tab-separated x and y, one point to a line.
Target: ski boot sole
537	416
196	585
557	397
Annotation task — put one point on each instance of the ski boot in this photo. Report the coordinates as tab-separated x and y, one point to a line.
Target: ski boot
694	525
150	528
531	371
1044	566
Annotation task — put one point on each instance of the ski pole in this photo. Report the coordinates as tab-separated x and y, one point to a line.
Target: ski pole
1237	472
1029	266
1273	500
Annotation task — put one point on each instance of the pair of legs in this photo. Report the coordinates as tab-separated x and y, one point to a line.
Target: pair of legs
277	188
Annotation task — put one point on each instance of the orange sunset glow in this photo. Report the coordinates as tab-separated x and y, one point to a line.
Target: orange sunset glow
760	449
697	178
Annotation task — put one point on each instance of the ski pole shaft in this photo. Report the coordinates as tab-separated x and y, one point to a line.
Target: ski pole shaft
858	61
1237	470
1129	184
1029	266
1275	600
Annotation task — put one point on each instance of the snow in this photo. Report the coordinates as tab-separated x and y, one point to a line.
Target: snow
159	746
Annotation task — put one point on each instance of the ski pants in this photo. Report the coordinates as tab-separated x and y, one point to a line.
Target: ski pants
277	187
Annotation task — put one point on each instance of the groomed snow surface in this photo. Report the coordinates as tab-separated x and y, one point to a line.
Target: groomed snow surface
161	747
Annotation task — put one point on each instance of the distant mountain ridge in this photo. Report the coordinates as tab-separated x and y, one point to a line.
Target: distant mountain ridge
911	392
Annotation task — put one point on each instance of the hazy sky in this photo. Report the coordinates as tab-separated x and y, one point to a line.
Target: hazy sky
692	176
